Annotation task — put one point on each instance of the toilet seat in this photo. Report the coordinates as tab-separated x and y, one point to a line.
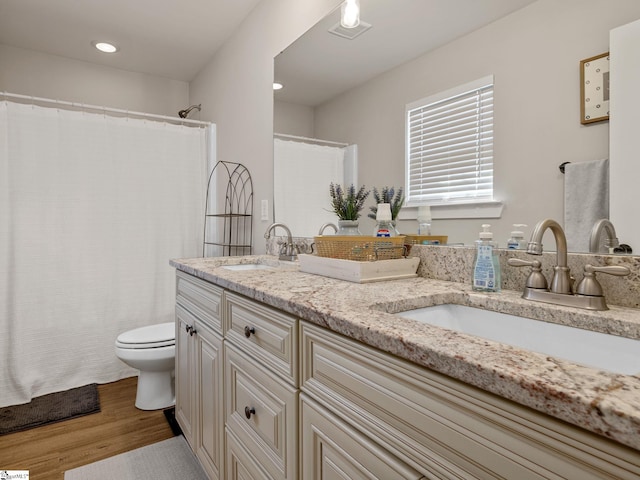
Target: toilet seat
151	336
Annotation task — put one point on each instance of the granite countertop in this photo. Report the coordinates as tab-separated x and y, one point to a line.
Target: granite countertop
602	402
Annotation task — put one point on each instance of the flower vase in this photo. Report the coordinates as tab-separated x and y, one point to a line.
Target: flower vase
348	227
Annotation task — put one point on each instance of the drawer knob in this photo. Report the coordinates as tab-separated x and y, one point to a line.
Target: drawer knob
249	411
248	331
188	328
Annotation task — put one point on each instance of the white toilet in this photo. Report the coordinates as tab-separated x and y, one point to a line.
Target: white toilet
152	350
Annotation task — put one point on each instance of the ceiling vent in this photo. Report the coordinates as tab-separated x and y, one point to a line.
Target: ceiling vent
349	33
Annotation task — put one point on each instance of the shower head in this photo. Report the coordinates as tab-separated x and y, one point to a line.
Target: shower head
185	112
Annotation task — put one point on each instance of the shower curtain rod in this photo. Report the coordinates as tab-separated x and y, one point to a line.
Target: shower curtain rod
83	106
308	139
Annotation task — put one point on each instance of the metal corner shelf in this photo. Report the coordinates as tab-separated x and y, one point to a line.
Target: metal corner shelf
228	231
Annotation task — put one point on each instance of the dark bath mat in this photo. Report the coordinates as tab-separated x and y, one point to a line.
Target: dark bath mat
170	415
50	408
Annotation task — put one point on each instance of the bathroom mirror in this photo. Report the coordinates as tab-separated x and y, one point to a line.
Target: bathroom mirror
327	77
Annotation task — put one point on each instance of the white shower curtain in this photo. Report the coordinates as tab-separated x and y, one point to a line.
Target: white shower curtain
92	207
302	174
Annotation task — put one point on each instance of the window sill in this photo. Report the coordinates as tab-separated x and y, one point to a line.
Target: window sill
487	209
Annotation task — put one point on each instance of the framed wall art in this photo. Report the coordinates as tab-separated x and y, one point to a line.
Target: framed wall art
594	89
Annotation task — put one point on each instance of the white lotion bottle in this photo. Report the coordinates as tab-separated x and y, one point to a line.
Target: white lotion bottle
384	227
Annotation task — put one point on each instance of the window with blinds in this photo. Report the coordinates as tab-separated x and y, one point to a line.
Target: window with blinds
449	151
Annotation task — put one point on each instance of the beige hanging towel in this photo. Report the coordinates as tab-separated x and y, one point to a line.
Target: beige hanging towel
586	200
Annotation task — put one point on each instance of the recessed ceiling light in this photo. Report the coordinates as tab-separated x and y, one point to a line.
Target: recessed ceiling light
277	86
105	47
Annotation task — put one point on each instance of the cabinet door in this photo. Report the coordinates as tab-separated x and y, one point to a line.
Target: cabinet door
209	411
240	465
184	373
333	450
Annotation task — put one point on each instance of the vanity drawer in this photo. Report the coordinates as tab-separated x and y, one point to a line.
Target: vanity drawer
445	428
262	413
264	333
200	298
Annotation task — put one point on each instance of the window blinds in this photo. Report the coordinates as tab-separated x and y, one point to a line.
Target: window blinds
450	148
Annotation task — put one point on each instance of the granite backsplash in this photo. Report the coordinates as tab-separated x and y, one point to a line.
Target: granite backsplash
454	264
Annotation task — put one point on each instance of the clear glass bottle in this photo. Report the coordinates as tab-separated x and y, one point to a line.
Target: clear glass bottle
424	220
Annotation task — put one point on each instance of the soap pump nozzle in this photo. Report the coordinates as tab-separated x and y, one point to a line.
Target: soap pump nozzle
485	234
518	229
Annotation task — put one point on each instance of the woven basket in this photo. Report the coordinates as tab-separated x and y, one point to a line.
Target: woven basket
360	247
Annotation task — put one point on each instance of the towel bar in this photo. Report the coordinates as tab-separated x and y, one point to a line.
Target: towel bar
561	167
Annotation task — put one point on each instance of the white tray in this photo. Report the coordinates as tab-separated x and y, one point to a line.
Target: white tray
359	272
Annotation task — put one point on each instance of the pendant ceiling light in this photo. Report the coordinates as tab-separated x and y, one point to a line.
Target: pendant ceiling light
350	17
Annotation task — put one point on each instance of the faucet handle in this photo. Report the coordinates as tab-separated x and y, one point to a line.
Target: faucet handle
536	278
617	270
590	286
516	262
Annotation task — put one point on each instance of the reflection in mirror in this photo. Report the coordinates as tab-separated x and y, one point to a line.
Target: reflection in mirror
354	91
625	168
302	172
329	60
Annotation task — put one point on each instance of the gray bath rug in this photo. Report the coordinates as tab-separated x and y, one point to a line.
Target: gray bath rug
50	408
166	460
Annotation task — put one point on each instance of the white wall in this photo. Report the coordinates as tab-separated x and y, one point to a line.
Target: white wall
534	54
293	119
236	91
625	125
28	72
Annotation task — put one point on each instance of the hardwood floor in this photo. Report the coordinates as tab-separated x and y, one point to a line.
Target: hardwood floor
119	427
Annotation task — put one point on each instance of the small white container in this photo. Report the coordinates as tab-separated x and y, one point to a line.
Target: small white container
516	241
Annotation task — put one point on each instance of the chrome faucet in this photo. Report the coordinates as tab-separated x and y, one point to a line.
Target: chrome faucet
288	250
561	281
596	232
589	293
327	225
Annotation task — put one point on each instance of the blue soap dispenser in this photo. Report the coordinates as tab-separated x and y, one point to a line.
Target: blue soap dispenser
486	267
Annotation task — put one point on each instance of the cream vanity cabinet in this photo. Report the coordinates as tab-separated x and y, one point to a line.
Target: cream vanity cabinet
301	401
261	390
437	425
199	370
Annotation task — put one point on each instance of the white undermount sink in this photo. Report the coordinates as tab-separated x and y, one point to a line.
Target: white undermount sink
585	347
